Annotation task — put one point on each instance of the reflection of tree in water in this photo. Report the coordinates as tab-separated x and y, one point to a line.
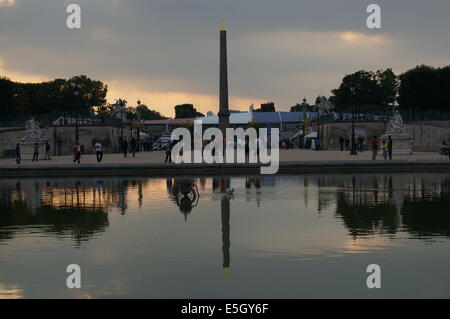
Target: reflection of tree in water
62	207
80	224
363	219
418	205
184	193
426	212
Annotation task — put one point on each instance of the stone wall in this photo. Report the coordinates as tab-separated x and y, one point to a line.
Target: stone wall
426	136
62	138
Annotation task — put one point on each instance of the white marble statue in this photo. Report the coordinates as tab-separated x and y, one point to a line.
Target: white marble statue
395	126
32	132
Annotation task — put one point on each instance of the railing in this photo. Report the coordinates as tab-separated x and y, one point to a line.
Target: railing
57	120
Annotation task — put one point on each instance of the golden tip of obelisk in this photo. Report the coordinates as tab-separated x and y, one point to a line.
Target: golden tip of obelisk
223	27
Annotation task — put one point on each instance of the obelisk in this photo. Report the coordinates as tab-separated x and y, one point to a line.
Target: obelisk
224	112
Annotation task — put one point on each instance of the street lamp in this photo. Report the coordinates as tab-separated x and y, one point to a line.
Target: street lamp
76	93
353	149
121	104
138	119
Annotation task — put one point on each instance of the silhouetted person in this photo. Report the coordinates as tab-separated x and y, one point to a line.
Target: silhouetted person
36	152
390	147
18	157
385	150
99	151
169	152
76	152
341	142
347	144
374	147
47	150
125	147
247	149
133	146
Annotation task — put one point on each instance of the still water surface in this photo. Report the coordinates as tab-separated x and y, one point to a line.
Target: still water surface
184	237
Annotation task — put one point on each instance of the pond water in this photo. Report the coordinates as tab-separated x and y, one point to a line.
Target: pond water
297	236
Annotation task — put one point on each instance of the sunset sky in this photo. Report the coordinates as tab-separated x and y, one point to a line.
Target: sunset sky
165	52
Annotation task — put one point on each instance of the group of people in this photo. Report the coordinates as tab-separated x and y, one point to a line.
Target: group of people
36	148
98	146
129	147
345	144
246	144
385	147
445	149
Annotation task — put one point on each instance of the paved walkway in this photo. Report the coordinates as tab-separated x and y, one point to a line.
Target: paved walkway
292	155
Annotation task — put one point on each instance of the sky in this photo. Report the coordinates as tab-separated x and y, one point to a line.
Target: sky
166	52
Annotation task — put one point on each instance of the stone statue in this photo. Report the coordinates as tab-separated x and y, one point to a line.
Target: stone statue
32	132
395	126
402	143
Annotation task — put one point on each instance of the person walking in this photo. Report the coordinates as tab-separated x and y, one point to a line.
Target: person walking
133	146
36	152
76	153
341	142
125	147
99	151
168	153
47	150
390	147
247	149
347	144
374	147
385	150
448	150
18	157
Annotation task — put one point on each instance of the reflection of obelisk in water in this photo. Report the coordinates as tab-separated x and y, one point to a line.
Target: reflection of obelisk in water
224	112
225	213
225	207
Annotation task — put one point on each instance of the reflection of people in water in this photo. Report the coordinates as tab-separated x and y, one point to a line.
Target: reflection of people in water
184	193
256	181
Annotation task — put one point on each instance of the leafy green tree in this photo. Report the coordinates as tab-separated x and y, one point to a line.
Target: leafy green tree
92	94
358	89
418	88
6	96
186	111
305	106
145	113
266	107
388	84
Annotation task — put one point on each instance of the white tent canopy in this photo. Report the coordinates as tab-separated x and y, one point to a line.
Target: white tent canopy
235	118
311	135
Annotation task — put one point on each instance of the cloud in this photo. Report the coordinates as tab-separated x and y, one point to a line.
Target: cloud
10	291
7	3
20	76
361	38
162	49
164	101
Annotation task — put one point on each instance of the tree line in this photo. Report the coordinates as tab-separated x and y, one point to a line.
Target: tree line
420	89
78	95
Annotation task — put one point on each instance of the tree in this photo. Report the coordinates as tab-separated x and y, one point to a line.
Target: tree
55	96
186	111
388	84
93	94
358	89
6	96
266	107
419	88
145	113
443	89
305	106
